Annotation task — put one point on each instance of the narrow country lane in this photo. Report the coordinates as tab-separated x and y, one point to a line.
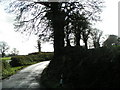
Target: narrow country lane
26	78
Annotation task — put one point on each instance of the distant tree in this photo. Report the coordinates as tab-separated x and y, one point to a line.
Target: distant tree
39	44
111	40
3	48
96	36
14	52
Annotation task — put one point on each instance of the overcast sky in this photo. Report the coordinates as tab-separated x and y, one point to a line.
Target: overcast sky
27	45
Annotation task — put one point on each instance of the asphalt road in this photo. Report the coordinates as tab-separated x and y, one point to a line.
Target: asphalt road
25	79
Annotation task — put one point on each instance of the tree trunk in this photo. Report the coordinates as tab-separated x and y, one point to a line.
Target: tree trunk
78	37
39	46
58	26
3	54
95	45
86	46
67	40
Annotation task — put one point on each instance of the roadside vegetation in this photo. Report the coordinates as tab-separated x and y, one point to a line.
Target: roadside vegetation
8	70
82	68
21	61
6	58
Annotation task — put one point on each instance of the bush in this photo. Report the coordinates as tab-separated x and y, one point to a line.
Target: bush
20	61
5	65
7	70
83	68
41	56
30	59
45	56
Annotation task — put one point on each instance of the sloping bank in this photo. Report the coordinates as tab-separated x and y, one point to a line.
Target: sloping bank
80	68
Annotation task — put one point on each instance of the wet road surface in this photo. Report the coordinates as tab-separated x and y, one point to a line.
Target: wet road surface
26	78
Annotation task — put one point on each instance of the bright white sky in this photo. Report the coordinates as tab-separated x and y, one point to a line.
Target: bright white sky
27	45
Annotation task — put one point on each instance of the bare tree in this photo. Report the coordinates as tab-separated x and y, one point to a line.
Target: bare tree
96	36
39	44
3	48
14	52
48	18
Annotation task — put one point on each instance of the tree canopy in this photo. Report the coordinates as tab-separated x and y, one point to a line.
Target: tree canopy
49	19
34	17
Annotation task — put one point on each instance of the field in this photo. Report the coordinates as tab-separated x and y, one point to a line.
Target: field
6	58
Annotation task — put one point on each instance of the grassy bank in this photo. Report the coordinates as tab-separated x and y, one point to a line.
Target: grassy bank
10	71
81	68
6	58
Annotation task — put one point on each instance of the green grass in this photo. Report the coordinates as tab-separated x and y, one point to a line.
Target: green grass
6	58
10	71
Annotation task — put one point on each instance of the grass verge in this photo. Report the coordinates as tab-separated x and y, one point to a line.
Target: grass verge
10	71
6	58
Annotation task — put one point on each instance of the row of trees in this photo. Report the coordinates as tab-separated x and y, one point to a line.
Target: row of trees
61	22
4	47
57	21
